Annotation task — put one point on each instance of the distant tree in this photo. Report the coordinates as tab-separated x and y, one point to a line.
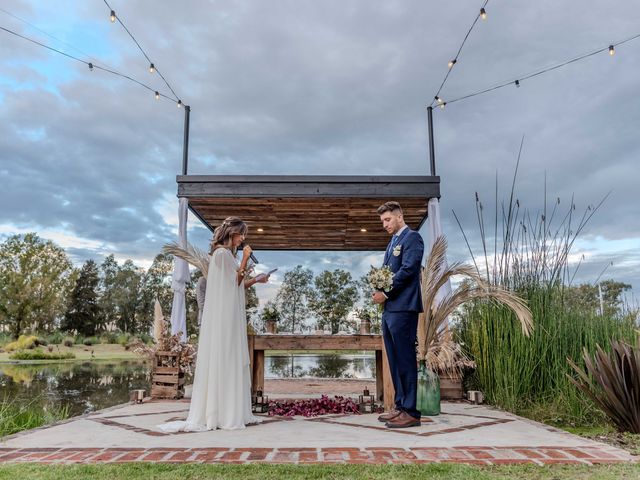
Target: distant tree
587	297
35	279
252	302
192	303
334	296
83	311
128	283
293	297
156	284
369	309
107	289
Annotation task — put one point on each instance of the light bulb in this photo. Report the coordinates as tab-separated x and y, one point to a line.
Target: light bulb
157	95
260	229
452	63
483	14
442	105
438	99
112	17
612	50
179	103
363	230
517	82
152	68
91	66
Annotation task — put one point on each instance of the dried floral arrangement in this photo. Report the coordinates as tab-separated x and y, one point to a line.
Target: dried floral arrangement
169	343
314	407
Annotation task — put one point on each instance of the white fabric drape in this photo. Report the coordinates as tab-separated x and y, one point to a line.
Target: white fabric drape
180	277
435	231
221	396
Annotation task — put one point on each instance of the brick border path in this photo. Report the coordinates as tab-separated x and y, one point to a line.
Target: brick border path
374	455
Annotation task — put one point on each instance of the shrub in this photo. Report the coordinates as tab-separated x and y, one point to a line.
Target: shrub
123	339
613	383
109	337
24	342
90	341
41	342
56	338
68	342
38	354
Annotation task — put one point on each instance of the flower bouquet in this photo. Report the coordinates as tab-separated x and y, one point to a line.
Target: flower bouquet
380	279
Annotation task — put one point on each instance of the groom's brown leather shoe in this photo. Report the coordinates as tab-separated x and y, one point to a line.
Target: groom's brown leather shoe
385	417
404	420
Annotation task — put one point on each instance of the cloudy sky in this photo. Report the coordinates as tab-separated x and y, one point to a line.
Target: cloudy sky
306	87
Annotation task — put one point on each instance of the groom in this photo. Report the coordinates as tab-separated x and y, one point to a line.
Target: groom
400	316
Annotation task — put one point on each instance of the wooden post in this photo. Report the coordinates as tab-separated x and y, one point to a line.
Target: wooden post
387	382
251	344
258	371
379	376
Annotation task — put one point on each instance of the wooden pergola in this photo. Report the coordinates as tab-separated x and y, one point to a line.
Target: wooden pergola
311	213
308	212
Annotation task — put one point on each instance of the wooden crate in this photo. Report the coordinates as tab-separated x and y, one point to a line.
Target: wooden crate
167	380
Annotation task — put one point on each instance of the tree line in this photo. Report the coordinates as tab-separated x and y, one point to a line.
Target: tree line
42	292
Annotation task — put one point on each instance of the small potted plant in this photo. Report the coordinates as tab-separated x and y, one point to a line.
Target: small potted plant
270	317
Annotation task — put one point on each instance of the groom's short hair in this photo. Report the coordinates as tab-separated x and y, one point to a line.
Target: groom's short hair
389	207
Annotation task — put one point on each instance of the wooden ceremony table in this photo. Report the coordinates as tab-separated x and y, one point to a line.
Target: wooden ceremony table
259	343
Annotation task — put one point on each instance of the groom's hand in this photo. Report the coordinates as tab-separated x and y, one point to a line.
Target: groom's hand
378	297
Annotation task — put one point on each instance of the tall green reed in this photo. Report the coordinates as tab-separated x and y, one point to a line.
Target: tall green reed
530	255
16	416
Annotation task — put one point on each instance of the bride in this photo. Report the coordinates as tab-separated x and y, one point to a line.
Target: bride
221	396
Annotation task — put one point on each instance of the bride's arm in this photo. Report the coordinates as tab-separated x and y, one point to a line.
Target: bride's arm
242	271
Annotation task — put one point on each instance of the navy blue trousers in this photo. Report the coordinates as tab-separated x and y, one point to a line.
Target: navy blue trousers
399	330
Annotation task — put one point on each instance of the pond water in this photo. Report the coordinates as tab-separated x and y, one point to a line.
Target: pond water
321	366
88	386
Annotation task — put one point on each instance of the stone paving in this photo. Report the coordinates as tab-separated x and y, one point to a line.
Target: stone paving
463	433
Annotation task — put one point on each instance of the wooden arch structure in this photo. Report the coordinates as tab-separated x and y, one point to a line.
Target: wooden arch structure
311	213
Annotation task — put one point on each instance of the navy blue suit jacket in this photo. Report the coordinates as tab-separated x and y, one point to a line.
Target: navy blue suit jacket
405	296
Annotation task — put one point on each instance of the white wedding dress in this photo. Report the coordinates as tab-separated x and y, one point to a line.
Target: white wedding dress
221	396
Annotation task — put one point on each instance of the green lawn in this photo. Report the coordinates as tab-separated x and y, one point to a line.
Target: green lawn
277	472
102	351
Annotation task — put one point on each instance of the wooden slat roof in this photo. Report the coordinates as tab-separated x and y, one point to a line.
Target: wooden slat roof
308	212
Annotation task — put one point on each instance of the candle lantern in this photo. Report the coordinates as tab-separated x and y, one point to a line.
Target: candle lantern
137	396
366	402
260	402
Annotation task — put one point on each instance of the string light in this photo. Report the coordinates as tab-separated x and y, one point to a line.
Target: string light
157	95
179	103
442	105
483	15
610	49
152	67
363	230
438	99
112	17
91	65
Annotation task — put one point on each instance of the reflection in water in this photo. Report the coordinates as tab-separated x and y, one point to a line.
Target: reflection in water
89	386
83	387
321	366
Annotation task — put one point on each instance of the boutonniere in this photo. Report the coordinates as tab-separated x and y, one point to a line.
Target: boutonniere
397	249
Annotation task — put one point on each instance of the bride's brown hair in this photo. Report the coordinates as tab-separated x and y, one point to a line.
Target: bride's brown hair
223	234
